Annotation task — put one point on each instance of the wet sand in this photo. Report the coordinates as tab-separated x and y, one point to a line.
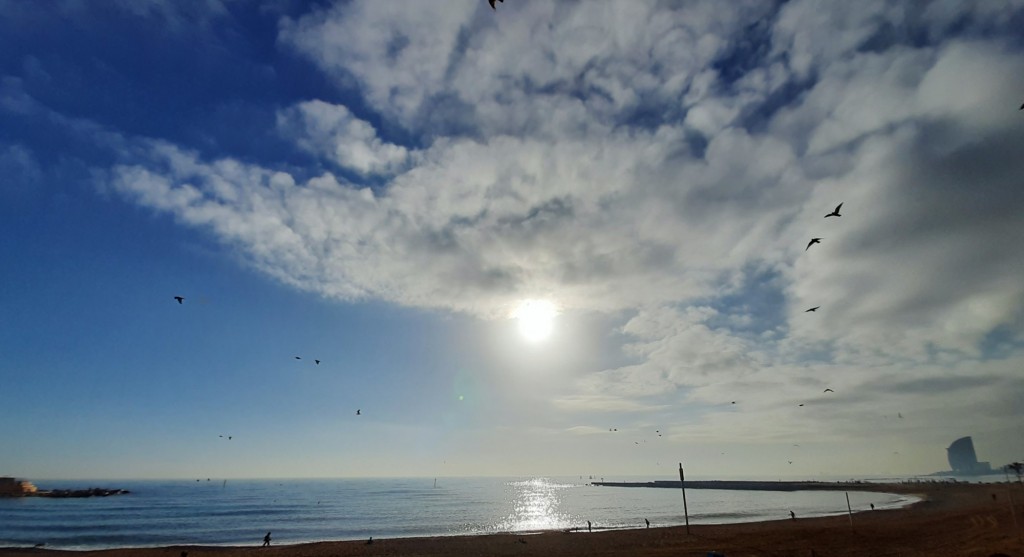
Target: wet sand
952	520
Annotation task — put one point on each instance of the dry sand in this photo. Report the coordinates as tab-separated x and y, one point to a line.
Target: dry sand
952	520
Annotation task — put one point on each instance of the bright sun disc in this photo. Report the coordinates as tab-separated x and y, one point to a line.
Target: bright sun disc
536	319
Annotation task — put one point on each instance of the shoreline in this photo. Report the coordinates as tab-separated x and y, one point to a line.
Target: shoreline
950	519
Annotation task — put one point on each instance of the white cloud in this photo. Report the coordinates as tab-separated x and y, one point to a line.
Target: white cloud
333	132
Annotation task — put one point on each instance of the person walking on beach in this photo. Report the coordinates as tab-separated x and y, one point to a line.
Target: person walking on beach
648	523
266	540
588	527
792	515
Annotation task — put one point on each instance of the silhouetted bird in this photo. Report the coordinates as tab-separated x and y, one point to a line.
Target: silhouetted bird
812	242
1021	107
801	405
790	461
491	2
835	213
317	362
298	357
734	402
815	308
359	413
181	299
828	391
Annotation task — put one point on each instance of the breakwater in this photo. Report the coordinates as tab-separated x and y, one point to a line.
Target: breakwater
751	485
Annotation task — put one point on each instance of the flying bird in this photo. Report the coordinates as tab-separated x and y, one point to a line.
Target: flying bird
1021	107
359	412
835	213
317	362
298	357
801	405
181	299
812	242
815	308
828	391
491	2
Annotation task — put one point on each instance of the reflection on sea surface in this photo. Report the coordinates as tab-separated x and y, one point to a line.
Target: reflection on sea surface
535	506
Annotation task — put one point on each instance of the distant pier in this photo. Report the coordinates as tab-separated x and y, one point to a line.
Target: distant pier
750	485
11	487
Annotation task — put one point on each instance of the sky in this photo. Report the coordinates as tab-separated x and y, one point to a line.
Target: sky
555	238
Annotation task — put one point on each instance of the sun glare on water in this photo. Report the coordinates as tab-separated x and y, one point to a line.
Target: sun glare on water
536	319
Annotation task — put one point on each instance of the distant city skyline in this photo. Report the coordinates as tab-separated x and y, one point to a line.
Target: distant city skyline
352	239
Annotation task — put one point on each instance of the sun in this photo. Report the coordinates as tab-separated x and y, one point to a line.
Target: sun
536	319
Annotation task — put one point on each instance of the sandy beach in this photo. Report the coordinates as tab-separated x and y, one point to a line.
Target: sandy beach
952	520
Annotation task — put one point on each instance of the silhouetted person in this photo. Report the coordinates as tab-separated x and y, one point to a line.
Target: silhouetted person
266	540
792	515
835	213
648	522
872	506
369	541
589	529
812	242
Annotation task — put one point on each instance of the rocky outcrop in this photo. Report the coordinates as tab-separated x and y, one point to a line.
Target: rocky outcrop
10	487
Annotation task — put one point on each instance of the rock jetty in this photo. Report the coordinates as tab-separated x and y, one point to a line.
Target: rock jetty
11	487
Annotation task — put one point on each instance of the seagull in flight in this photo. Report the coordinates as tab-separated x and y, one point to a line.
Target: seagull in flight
815	308
317	362
812	242
491	2
828	391
298	357
359	412
835	212
801	405
181	299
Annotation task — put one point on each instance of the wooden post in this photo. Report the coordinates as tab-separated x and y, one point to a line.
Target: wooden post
849	510
682	484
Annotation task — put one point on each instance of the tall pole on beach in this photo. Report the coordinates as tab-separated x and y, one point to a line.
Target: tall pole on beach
682	484
849	510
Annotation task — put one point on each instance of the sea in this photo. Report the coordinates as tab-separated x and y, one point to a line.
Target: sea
241	512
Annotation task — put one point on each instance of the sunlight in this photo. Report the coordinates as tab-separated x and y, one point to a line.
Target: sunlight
536	319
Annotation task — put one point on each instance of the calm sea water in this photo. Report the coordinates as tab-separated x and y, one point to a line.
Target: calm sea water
240	512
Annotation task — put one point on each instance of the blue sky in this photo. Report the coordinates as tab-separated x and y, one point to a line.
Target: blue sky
380	185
